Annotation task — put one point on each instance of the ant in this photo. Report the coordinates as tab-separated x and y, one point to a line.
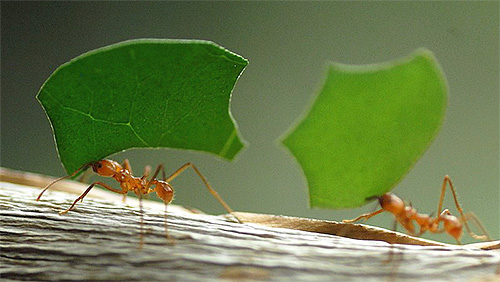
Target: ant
406	214
139	185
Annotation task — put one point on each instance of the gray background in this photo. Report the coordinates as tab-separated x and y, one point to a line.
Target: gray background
288	45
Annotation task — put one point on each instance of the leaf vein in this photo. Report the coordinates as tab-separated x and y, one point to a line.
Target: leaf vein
128	124
228	143
183	117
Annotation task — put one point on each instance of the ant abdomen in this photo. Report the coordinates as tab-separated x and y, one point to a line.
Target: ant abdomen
164	191
451	224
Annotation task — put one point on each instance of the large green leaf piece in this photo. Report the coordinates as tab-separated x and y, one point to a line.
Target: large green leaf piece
367	128
143	93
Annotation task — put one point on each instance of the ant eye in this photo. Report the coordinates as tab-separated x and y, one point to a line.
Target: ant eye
99	165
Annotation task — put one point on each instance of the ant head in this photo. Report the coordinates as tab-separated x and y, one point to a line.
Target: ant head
104	167
392	203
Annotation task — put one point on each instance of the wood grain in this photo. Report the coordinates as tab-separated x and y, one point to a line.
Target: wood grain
99	241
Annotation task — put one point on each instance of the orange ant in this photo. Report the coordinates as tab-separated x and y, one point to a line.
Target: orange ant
406	214
139	185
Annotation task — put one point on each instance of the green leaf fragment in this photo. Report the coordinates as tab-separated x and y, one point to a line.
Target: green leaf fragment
367	128
143	93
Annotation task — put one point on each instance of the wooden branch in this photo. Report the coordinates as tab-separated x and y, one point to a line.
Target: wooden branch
99	240
354	231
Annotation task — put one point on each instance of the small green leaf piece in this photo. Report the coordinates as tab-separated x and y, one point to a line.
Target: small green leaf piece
143	93
367	128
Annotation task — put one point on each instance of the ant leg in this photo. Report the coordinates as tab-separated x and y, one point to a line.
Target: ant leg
61	178
80	198
210	189
126	165
141	213
407	224
167	235
147	172
159	168
363	216
443	190
469	216
147	169
395	225
447	179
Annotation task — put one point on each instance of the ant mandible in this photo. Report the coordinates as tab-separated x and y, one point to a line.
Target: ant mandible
139	185
406	214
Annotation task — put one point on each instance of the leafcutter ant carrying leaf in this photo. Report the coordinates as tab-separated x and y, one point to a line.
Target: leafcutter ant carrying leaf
139	185
406	215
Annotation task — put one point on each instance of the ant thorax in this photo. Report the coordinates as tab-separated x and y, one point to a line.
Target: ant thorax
129	182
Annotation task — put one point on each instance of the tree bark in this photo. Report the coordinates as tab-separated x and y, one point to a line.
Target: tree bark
100	241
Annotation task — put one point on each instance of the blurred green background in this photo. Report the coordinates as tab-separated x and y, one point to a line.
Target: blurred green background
288	45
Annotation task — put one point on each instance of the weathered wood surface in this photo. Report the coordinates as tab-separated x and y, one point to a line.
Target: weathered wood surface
353	231
99	241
